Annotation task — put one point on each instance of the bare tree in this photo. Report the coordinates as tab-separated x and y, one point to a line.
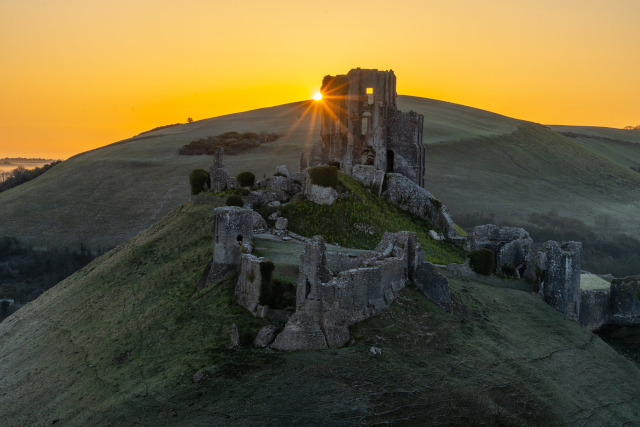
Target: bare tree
189	120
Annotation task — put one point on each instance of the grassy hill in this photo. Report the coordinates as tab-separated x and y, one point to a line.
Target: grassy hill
105	196
617	145
533	169
118	343
476	160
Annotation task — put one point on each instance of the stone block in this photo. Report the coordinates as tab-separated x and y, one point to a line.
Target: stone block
321	195
254	200
265	336
625	301
594	309
433	285
248	287
219	179
302	332
561	281
283	169
410	197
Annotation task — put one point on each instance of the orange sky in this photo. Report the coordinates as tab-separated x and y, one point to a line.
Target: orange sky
77	74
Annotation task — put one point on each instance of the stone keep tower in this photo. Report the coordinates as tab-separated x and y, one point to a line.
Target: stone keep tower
232	229
361	125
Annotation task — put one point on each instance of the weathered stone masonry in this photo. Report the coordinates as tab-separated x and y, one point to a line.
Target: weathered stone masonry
361	125
337	290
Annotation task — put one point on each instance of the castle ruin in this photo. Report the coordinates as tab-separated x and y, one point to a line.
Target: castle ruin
362	126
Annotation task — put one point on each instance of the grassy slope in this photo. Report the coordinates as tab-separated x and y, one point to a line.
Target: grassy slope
476	161
532	170
337	223
622	134
118	342
600	142
107	195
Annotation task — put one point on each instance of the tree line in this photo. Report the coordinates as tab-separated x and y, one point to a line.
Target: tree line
20	175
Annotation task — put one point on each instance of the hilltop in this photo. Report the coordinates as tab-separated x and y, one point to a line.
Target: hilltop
476	160
118	343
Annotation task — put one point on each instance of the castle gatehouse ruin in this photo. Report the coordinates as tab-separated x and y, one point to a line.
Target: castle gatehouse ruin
363	128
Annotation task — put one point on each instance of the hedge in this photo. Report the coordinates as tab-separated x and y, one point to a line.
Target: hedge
235	200
481	261
246	179
324	176
197	179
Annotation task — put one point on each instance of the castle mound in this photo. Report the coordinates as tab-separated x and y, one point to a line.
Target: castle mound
133	337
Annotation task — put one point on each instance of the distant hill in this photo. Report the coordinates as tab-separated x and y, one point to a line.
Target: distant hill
476	160
618	145
118	344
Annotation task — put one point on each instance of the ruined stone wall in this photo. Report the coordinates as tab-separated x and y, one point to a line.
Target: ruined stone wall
625	301
230	224
330	299
508	244
406	147
248	287
358	127
594	309
410	197
561	277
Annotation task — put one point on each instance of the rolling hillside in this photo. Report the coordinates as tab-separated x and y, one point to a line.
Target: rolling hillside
476	160
618	145
118	343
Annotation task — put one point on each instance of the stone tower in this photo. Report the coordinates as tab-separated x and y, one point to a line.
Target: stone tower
361	125
232	229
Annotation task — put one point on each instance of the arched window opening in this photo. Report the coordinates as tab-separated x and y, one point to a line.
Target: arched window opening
389	161
239	239
366	122
370	96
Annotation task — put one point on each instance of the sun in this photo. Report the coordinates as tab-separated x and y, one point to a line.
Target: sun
317	96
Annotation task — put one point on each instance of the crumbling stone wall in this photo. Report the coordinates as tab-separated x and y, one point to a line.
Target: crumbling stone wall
560	285
336	291
508	244
594	309
248	287
361	124
403	192
625	301
232	231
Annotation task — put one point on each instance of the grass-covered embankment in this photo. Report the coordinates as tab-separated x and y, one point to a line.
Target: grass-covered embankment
359	221
118	343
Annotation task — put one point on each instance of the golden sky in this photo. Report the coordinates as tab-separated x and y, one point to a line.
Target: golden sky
78	74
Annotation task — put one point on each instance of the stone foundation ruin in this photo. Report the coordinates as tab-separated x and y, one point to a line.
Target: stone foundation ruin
334	290
337	290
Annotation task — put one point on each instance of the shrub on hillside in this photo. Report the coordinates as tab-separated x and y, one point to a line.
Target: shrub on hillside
509	270
231	142
481	261
246	179
275	294
197	179
324	176
241	191
235	200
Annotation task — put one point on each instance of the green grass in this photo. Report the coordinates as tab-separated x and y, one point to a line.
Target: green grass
339	222
118	342
593	282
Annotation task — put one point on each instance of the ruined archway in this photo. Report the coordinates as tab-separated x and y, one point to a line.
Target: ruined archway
390	160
